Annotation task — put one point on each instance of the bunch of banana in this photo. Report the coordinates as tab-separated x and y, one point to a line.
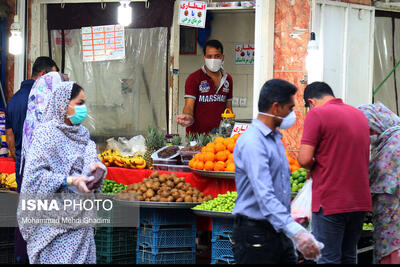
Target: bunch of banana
113	158
8	181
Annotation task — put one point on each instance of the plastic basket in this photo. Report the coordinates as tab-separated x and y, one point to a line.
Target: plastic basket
222	250
7	235
166	257
117	241
221	227
125	259
158	217
167	238
7	253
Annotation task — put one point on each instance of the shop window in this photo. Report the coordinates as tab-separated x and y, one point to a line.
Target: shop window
188	41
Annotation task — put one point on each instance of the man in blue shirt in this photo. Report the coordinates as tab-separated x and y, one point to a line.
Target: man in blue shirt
264	231
15	117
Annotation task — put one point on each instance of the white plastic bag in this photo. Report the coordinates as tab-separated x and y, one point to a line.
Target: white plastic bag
301	204
134	146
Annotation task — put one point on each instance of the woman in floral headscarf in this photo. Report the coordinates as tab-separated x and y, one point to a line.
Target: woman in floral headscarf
60	154
385	180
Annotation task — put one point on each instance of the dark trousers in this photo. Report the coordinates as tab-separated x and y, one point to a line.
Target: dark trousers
340	234
256	242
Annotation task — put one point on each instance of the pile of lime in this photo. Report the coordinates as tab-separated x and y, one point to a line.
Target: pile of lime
112	187
368	226
224	202
298	179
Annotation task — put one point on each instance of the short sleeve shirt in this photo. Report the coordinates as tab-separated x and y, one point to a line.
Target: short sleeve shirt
210	100
340	135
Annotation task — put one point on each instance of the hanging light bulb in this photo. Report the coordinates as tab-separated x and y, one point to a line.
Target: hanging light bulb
313	60
15	43
124	13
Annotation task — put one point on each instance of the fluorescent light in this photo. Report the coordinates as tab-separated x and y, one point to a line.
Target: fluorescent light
124	13
15	42
313	60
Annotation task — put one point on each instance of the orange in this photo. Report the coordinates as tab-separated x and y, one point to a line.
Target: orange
219	147
219	139
210	148
199	165
209	156
219	166
227	153
230	167
230	157
229	161
191	163
209	166
196	156
220	156
235	136
228	140
202	157
231	147
203	149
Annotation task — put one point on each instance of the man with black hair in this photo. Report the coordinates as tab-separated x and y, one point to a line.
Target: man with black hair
15	117
208	91
335	147
264	231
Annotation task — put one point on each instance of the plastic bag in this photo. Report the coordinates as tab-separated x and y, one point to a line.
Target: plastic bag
134	146
301	204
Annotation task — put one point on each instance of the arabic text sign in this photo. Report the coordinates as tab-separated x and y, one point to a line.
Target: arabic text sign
239	128
244	53
192	14
103	43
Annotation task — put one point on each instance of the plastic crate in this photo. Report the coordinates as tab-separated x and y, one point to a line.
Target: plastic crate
125	259
167	238
166	257
221	227
159	217
117	241
7	253
221	250
7	235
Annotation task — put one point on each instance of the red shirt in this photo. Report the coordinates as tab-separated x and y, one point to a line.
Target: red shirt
210	100
340	135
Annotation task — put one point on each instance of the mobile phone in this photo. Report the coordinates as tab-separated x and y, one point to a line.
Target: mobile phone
98	174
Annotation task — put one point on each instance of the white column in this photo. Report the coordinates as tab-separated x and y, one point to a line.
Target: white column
264	47
19	64
174	77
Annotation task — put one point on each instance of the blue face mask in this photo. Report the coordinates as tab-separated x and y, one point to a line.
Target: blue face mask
80	114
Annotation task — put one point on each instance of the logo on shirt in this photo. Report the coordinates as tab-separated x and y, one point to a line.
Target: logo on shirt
212	98
226	87
204	87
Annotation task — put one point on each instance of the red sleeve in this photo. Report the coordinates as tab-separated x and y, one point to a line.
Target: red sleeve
312	129
230	94
192	86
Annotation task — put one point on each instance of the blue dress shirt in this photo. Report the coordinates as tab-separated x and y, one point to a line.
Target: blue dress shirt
262	177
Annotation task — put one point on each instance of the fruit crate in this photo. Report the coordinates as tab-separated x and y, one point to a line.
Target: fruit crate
125	259
115	244
221	227
7	253
143	256
221	250
167	238
159	217
7	235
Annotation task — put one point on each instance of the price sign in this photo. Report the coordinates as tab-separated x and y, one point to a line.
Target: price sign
239	127
192	14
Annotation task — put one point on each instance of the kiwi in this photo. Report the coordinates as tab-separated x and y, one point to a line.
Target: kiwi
157	198
143	188
163	178
150	193
182	179
163	199
170	184
154	174
201	194
173	175
179	200
194	199
153	199
136	187
175	195
177	180
155	186
141	198
145	180
170	199
147	199
149	184
188	198
164	194
180	185
199	199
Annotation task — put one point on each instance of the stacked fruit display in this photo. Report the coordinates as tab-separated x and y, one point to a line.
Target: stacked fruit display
298	179
112	187
224	202
294	165
113	157
8	181
216	156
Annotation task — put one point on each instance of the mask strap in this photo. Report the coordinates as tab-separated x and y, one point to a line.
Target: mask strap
270	115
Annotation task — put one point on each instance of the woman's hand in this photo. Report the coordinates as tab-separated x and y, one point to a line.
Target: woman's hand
80	183
98	166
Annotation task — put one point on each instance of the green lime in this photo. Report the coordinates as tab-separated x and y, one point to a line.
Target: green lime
304	173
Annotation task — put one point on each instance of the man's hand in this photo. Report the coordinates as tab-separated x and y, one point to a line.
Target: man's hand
10	139
185	120
307	245
80	183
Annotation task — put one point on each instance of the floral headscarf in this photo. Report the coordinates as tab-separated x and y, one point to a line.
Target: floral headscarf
385	159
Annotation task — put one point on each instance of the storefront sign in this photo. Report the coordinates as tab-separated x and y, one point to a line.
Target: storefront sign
244	53
192	14
239	127
103	43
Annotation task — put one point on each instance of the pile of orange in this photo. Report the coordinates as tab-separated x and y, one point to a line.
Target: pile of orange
216	156
294	165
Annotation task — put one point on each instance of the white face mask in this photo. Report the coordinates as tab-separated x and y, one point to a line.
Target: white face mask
213	64
287	121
